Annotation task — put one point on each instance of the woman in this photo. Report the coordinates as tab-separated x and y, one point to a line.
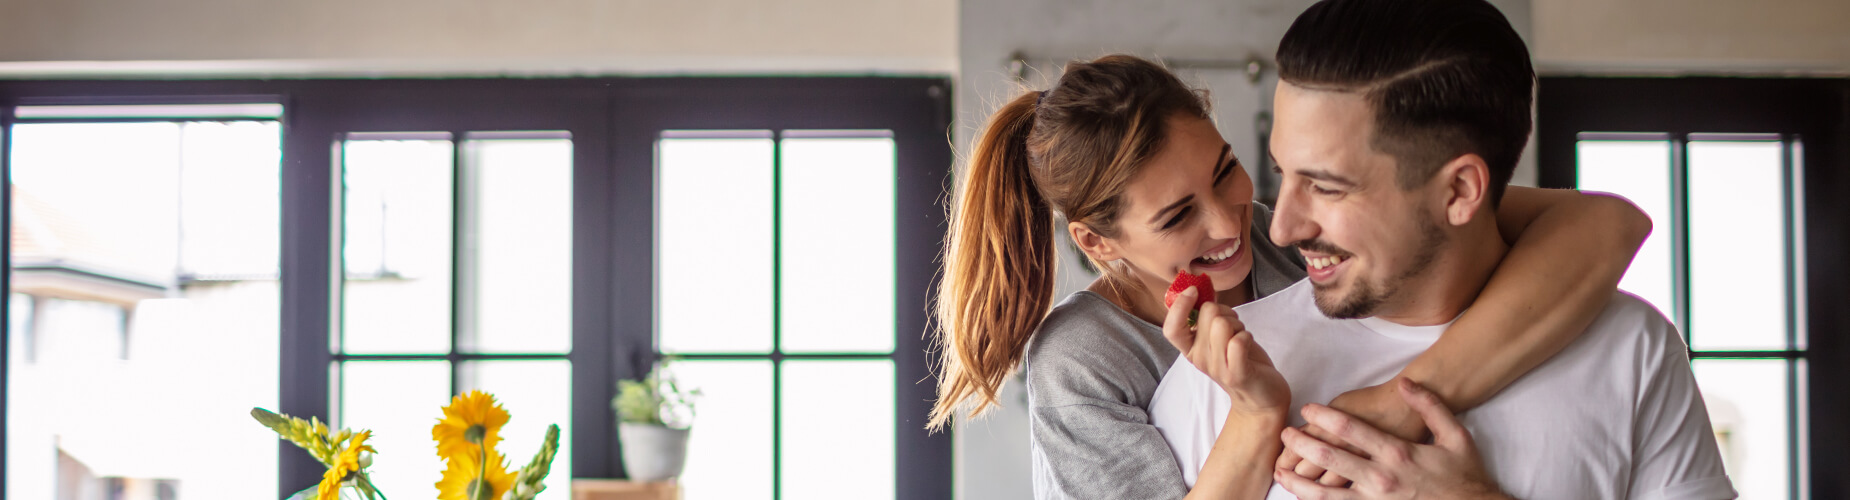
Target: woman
1093	150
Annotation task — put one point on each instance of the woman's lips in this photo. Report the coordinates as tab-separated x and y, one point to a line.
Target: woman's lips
1235	252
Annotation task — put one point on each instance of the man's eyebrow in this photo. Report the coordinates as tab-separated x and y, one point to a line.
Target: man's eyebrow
1172	206
1326	176
1317	174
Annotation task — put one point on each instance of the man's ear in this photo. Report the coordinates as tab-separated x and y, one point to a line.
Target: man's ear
1095	245
1467	188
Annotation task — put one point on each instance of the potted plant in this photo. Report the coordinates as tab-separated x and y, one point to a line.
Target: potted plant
654	416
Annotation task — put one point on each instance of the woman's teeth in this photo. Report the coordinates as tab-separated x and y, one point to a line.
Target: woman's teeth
1323	262
1216	257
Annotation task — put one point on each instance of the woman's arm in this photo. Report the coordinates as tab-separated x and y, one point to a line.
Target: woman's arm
1568	251
1237	467
1217	343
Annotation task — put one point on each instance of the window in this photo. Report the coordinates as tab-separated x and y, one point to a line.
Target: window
776	274
414	238
1725	167
457	269
143	240
1721	266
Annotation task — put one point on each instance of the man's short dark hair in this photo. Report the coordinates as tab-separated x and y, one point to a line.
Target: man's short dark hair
1445	78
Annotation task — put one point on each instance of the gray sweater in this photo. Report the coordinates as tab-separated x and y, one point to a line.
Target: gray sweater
1092	368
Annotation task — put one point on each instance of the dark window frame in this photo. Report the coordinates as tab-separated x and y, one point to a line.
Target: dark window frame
613	123
1810	112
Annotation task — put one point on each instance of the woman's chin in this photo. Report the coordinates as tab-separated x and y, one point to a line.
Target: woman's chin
1232	277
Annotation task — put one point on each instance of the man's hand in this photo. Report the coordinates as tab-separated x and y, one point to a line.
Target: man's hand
1220	347
1447	469
1379	406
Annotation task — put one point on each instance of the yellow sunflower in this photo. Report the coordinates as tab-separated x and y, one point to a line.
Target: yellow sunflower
470	420
460	478
345	463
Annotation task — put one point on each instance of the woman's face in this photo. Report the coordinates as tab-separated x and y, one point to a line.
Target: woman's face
1191	207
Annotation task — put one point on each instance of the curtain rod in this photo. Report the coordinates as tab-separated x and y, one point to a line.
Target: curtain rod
1254	66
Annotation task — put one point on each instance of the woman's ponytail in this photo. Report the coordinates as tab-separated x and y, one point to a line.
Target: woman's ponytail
999	266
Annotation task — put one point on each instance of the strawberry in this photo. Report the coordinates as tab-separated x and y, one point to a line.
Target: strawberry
1204	288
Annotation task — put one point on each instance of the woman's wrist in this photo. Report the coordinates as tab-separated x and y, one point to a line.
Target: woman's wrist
1268	420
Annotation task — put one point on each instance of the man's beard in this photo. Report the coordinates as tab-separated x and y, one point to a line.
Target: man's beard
1366	297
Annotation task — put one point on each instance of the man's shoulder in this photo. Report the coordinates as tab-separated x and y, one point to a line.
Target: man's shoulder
1630	320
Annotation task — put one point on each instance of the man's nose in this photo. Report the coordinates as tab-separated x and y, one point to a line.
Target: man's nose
1290	221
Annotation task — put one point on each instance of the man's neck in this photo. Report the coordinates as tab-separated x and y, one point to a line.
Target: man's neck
1450	283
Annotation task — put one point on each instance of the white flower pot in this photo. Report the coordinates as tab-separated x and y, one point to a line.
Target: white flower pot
652	452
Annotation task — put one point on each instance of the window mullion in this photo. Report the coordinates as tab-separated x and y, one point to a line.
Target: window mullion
1679	241
6	276
777	316
1788	178
460	281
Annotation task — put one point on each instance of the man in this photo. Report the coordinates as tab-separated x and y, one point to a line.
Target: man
1397	125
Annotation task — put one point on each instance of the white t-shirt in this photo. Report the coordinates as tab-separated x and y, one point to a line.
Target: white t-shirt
1614	415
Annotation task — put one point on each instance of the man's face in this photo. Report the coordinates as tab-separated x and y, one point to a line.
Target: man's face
1363	236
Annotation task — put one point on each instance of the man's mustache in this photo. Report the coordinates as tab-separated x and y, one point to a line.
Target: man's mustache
1320	246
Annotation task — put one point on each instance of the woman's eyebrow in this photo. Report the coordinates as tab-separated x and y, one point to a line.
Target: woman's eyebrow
1172	206
1226	166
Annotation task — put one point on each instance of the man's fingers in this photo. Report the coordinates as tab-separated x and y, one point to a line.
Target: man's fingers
1446	431
1323	454
1306	489
1333	480
1288	460
1357	434
1310	470
1175	323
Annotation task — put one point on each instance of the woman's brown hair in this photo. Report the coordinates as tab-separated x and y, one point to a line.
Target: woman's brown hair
1069	151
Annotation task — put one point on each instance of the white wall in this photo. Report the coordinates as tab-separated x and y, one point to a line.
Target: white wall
470	37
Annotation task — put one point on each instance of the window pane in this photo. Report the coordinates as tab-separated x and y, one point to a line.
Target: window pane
396	251
535	394
838	434
837	268
1639	171
520	245
107	316
1747	407
1737	249
399	401
729	449
229	208
714	259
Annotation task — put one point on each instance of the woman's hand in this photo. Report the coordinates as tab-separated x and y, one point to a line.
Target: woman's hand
1447	469
1220	347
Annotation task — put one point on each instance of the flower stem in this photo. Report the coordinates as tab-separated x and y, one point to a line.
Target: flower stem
373	488
481	475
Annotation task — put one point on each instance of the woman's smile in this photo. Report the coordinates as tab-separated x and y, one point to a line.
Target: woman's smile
1222	257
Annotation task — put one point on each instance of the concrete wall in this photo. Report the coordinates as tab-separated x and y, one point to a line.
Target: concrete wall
471	37
1683	36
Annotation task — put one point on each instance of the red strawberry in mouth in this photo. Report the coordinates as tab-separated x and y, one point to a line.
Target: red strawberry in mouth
1204	290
